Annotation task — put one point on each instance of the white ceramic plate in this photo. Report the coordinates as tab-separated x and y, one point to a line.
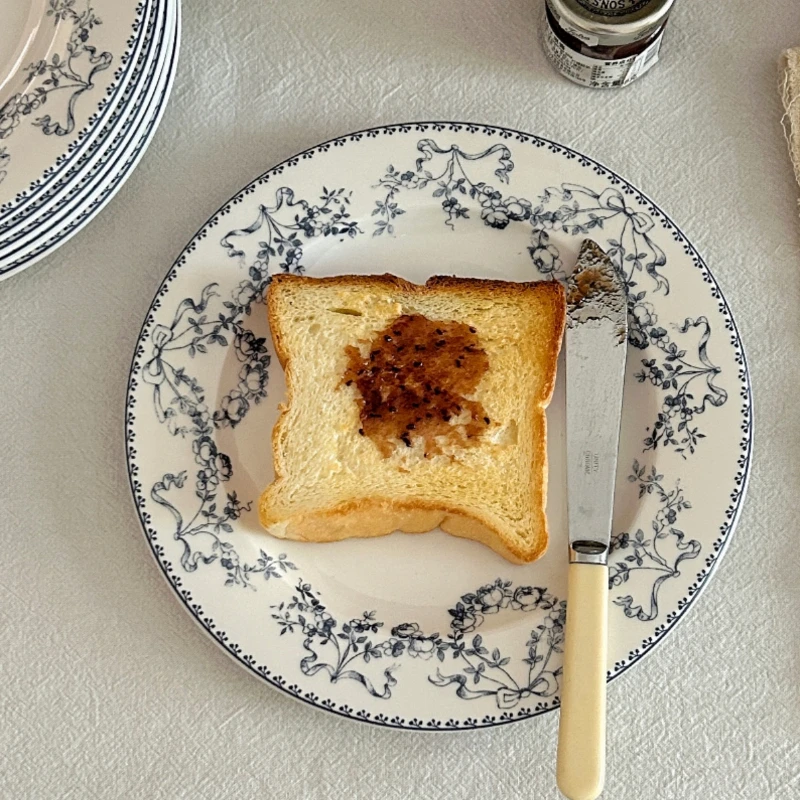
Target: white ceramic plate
429	632
97	177
64	61
95	144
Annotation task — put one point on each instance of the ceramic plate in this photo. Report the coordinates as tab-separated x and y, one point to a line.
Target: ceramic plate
97	143
64	61
95	179
429	632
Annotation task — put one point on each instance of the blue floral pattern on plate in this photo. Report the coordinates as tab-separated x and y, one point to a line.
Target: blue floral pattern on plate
51	94
80	185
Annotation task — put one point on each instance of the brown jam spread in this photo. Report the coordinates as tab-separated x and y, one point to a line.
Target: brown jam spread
586	284
413	384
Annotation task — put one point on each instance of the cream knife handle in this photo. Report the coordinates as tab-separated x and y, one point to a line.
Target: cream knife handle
581	766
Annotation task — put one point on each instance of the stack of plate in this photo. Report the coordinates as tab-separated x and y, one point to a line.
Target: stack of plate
83	85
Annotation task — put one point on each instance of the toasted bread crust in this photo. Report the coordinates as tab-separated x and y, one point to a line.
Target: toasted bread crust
378	516
392	282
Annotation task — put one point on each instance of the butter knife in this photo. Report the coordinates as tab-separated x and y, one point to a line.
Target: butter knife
596	348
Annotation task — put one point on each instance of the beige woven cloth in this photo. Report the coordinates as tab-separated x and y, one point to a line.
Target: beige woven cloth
790	87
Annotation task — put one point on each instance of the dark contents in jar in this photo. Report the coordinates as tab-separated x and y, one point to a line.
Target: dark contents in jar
603	52
413	383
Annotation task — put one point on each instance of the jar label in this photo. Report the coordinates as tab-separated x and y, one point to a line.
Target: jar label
613	8
586	38
595	72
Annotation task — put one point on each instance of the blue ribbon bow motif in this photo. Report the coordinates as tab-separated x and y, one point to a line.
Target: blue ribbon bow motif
428	148
613	200
545	685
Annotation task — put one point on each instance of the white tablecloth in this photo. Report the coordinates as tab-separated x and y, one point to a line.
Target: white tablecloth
107	688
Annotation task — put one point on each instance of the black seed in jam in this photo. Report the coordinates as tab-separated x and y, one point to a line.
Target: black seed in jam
439	332
472	330
348	383
420	347
458	362
361	431
387	338
440	343
396	332
411	426
486	420
417	364
392	410
437	391
445	416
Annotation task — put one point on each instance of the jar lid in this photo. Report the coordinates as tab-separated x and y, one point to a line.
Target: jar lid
611	22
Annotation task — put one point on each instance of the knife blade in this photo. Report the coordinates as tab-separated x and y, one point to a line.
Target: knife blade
596	350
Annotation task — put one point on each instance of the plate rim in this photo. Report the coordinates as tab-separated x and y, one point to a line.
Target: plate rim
101	112
70	164
113	168
732	514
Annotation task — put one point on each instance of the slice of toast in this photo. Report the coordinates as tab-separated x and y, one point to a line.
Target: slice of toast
410	407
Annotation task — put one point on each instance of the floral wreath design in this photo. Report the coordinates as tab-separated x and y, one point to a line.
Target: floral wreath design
644	553
68	74
274	241
480	673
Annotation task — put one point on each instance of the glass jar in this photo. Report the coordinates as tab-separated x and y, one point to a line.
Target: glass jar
604	43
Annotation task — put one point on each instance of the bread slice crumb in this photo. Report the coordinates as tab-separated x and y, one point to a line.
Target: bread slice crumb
481	480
